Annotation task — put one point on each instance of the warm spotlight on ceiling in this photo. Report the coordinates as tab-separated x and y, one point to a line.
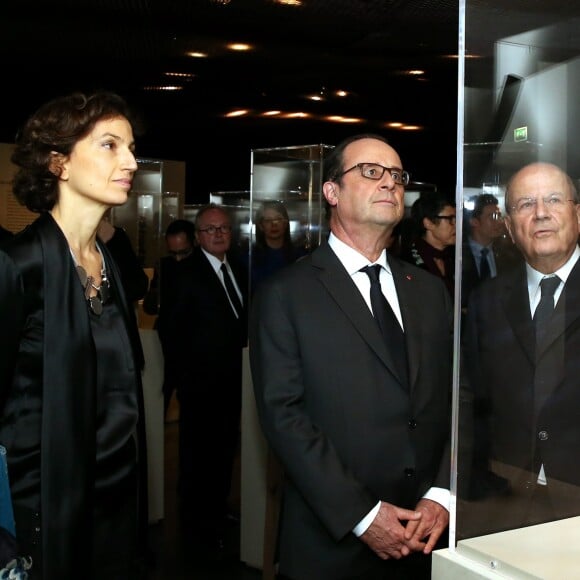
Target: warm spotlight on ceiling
197	54
187	76
297	115
289	2
341	93
411	128
163	88
341	119
394	125
239	46
237	113
271	113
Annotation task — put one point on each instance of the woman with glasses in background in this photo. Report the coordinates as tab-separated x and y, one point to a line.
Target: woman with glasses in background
433	244
273	248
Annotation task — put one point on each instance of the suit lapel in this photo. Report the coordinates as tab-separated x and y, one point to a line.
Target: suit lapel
572	297
409	297
344	292
566	313
551	352
217	288
516	305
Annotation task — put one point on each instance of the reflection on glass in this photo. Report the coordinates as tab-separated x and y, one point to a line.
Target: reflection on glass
517	388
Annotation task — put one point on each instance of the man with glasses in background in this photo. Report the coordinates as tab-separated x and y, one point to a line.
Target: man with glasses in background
521	355
209	324
485	251
351	363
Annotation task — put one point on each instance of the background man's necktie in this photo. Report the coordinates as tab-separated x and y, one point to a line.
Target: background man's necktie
546	306
484	271
388	323
231	290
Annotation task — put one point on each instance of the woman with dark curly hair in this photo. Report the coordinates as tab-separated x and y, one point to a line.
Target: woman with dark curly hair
433	244
71	414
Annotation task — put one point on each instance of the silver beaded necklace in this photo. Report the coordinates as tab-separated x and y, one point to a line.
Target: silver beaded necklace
95	303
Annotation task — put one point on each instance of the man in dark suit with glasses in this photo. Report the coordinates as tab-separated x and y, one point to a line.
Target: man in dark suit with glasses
209	323
350	351
522	340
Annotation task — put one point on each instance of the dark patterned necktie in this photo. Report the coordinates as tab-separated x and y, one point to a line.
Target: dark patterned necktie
388	323
231	290
484	271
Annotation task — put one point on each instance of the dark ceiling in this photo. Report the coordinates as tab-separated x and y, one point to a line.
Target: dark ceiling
362	47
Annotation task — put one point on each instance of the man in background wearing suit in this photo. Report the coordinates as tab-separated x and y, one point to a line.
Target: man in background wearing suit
210	325
160	300
358	419
521	356
485	234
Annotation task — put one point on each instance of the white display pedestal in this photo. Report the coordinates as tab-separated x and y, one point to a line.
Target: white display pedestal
546	551
154	421
253	476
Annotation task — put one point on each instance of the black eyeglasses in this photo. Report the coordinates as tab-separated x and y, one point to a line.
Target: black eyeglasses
211	230
375	172
450	218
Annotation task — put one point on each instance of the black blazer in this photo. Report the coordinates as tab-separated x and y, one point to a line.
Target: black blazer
527	428
202	318
331	406
48	361
506	257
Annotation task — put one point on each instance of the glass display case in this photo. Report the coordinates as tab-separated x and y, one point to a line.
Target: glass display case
515	509
289	178
156	199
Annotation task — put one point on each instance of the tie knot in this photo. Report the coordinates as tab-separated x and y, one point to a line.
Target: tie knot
548	285
484	252
373	271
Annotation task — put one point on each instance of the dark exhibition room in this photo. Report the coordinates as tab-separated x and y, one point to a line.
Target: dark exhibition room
406	380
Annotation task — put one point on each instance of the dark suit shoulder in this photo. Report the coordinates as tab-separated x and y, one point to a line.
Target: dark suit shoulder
25	253
494	288
427	281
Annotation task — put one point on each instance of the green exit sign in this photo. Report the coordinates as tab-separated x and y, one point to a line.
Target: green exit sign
521	134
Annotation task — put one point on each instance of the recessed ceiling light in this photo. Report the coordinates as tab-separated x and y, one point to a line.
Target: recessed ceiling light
179	75
416	72
289	2
271	113
237	113
163	88
197	54
341	93
297	115
341	119
239	46
411	128
394	125
315	97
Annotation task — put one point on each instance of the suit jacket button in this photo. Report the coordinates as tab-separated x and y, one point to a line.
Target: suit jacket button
543	435
412	424
409	472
